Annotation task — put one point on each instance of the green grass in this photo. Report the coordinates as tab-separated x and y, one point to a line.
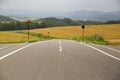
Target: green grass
21	41
39	36
96	39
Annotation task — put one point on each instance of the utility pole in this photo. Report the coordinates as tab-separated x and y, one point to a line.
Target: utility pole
29	22
83	27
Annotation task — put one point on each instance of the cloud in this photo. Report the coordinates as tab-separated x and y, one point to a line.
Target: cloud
1	1
62	5
118	1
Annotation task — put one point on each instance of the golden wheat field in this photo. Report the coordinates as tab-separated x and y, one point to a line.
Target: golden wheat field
111	32
7	37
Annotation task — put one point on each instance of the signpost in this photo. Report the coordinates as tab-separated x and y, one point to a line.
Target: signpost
102	32
83	27
29	22
48	33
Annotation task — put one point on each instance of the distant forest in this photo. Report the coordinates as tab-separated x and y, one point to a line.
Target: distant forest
7	24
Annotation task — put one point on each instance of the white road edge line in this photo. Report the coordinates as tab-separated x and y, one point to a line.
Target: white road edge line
4	47
101	51
13	52
107	48
98	50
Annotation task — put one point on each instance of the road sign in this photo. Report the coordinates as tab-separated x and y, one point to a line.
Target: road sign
82	26
29	22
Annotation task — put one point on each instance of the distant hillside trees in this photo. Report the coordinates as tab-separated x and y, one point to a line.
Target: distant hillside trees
53	22
43	24
20	26
113	22
5	19
68	21
9	24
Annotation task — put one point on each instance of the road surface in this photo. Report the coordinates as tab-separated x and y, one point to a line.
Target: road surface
59	60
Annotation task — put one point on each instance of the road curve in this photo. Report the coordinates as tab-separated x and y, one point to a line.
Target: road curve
59	60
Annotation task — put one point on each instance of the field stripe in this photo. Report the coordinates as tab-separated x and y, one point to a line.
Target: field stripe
13	52
4	47
101	51
98	50
108	48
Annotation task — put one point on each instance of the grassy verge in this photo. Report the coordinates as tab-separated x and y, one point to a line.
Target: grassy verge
14	42
96	39
110	32
39	36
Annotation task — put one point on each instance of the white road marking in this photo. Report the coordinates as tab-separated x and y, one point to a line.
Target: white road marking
98	50
108	48
13	52
60	42
60	47
4	47
101	51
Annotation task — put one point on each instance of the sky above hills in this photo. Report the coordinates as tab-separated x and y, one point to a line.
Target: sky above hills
62	5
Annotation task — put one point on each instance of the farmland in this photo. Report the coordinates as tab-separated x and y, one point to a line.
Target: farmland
10	37
110	32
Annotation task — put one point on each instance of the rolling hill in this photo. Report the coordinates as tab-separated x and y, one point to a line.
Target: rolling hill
76	15
5	19
94	15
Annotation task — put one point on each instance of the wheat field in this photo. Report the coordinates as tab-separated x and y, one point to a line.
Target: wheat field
10	37
111	32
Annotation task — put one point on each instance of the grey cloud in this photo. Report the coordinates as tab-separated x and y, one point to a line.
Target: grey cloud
63	5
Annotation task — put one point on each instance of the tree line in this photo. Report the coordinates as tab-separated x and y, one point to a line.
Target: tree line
48	22
19	26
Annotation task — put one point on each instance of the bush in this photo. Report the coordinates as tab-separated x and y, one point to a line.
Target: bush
98	39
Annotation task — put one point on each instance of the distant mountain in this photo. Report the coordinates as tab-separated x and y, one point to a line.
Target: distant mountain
76	15
5	19
94	15
52	22
29	13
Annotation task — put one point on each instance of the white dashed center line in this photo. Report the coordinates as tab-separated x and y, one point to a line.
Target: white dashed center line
60	47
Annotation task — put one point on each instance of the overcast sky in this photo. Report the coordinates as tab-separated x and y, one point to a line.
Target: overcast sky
62	5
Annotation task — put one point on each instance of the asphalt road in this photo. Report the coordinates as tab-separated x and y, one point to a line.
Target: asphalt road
59	60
